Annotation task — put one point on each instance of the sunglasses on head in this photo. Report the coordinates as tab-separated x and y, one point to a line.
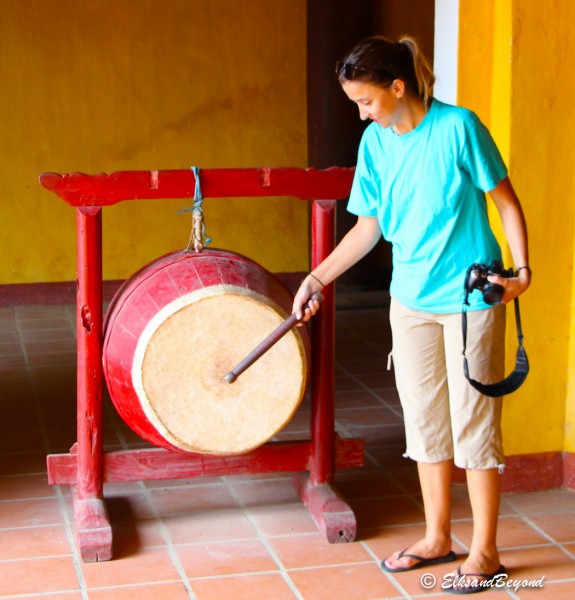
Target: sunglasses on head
349	71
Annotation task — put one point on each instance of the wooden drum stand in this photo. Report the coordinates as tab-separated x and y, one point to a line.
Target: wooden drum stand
86	468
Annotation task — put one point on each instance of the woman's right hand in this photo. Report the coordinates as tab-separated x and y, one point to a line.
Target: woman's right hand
309	286
356	243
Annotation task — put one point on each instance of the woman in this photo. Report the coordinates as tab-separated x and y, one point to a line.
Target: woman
422	173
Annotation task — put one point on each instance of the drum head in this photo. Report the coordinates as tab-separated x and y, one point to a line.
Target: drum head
182	359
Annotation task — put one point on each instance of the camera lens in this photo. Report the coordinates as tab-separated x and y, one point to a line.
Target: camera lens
492	293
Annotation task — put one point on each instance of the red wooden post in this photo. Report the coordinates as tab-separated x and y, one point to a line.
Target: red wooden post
93	529
323	342
333	517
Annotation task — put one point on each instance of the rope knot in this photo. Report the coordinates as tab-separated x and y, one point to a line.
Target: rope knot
198	238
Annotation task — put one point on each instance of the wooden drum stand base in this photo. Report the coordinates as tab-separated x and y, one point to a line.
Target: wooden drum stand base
87	467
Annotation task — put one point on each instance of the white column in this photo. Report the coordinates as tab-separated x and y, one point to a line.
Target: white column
445	50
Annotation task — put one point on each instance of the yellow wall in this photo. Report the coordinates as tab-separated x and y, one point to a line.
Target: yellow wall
103	85
516	62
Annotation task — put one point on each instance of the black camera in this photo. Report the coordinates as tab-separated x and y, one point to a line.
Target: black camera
476	279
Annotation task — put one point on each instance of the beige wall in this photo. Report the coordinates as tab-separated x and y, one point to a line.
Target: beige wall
103	85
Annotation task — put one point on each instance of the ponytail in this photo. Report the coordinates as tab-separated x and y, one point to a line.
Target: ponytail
423	72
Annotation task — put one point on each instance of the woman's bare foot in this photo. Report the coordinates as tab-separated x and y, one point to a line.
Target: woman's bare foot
419	555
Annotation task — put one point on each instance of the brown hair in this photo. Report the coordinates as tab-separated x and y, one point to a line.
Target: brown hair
378	60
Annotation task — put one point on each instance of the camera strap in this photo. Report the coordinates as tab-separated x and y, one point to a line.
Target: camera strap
514	379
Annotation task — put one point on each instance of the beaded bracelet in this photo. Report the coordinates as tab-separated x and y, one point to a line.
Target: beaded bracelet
322	285
523	267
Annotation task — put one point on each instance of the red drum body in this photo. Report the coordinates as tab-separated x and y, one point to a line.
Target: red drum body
173	332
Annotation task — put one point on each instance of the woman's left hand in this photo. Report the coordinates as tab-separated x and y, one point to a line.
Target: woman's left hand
512	286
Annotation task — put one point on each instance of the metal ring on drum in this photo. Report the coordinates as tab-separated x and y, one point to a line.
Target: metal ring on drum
173	332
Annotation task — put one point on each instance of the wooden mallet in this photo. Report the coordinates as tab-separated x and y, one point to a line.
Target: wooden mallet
274	337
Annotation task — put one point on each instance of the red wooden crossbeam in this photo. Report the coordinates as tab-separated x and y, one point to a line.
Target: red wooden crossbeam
158	463
104	189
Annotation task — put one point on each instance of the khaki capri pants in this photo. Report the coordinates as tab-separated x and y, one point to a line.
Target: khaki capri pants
445	417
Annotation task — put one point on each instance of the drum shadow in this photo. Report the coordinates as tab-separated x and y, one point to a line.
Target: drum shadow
126	525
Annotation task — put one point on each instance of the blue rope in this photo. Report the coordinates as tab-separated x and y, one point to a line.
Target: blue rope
198	189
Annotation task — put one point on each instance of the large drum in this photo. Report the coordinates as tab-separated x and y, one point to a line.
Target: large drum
173	332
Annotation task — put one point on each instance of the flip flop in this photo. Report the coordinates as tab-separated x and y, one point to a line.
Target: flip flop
475	586
422	562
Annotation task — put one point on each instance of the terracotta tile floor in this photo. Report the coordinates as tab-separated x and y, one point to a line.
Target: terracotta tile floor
236	537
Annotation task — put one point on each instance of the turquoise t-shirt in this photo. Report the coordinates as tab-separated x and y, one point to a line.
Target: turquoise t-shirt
427	189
